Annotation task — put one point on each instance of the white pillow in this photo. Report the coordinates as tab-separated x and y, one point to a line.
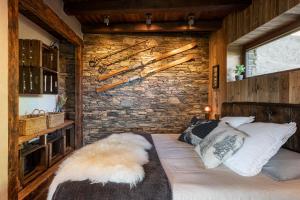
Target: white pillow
219	145
264	140
237	121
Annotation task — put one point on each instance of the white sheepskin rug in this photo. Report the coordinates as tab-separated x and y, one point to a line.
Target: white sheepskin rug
118	158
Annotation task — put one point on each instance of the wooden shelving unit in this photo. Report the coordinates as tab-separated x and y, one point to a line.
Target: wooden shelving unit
41	14
38	67
37	167
25	138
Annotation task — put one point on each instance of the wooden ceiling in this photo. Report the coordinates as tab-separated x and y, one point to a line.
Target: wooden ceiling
167	15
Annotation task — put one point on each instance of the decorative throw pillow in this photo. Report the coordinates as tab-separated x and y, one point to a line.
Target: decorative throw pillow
264	140
198	129
219	145
237	121
283	166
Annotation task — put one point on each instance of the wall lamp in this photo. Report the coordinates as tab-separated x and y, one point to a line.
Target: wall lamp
207	110
191	20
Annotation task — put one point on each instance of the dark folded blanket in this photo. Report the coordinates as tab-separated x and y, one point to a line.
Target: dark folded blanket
155	185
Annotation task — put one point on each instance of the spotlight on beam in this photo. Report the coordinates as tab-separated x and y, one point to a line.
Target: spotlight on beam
148	19
191	20
106	20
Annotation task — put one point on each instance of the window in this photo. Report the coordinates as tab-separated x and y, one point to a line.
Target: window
278	55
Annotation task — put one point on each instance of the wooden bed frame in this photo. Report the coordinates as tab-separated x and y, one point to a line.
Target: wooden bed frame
268	112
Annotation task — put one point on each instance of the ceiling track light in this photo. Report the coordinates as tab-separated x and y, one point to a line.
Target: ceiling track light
191	20
106	20
148	19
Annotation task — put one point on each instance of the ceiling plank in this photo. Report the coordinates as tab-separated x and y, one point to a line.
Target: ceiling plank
204	26
72	7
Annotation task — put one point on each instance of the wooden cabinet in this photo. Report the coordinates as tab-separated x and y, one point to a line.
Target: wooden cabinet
38	68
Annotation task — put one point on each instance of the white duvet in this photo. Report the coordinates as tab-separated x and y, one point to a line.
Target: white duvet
191	181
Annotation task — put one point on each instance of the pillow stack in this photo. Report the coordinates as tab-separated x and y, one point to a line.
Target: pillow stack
242	146
221	143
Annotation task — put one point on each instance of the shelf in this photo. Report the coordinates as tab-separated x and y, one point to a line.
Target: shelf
25	138
29	150
49	70
63	74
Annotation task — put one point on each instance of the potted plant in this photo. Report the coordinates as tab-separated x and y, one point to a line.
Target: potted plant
61	101
239	72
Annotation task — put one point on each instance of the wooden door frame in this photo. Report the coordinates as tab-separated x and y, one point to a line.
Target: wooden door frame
45	17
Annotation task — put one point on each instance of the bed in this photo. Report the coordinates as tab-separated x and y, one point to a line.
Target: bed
182	173
191	181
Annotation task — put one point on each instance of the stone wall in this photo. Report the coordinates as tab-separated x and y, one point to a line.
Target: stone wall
161	103
66	77
278	55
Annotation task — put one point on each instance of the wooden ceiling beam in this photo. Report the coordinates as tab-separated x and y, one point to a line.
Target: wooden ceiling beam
45	17
205	26
89	7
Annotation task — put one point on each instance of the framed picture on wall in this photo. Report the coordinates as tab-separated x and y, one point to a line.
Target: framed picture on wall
215	76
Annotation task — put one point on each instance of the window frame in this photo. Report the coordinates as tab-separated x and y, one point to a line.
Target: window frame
269	37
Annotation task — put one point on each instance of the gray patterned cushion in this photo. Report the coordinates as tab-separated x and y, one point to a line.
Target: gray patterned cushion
198	129
219	145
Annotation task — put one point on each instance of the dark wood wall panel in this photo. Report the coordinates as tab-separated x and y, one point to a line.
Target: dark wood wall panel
13	97
78	95
261	17
280	87
294	86
217	56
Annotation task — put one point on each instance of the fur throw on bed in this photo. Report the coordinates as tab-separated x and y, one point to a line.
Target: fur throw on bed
117	158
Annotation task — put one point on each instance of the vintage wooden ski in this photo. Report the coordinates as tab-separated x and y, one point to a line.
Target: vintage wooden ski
144	73
153	60
95	61
129	56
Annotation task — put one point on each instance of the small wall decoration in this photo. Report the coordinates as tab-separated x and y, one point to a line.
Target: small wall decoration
215	76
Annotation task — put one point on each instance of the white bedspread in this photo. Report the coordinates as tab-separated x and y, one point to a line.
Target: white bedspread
191	181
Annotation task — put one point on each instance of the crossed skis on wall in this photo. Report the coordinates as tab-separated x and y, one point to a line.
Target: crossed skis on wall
145	72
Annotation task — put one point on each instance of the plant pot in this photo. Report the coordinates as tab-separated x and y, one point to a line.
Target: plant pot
239	77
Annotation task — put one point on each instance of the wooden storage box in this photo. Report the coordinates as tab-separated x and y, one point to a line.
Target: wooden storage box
33	162
69	138
32	124
55	147
50	83
55	119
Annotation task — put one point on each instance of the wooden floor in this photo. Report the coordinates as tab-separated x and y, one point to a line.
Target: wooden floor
41	192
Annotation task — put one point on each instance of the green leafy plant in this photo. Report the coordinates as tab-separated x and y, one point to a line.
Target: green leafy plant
239	69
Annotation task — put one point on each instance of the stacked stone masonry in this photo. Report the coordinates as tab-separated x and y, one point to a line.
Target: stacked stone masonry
66	77
162	103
